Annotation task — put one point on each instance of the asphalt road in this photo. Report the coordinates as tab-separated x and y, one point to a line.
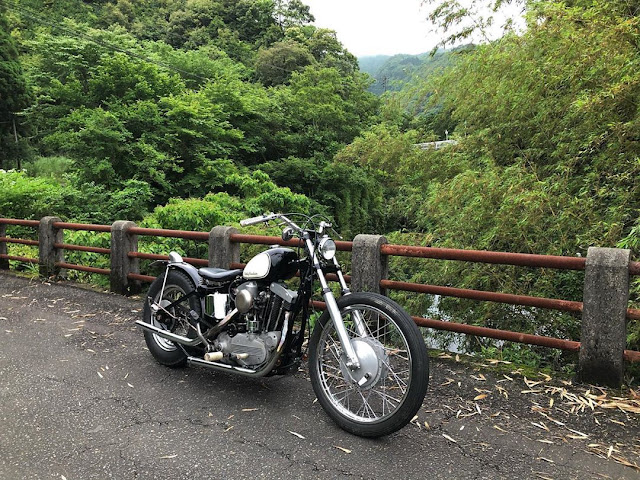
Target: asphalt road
81	398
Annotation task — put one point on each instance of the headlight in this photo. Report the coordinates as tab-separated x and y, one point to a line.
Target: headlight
327	248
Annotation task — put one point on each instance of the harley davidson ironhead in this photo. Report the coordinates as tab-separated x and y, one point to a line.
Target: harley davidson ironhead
368	362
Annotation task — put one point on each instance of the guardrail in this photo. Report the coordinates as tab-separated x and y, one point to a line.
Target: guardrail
603	324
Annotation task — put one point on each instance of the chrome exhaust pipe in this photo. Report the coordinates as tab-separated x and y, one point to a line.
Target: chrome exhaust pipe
188	342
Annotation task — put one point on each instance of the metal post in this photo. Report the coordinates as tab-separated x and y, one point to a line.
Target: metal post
49	255
121	264
222	251
604	322
368	265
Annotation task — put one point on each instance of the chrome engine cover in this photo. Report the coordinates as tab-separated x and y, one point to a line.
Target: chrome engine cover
257	346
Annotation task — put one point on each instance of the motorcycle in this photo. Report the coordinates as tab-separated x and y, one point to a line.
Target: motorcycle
368	362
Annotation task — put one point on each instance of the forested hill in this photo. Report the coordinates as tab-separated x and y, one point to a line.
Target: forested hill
393	73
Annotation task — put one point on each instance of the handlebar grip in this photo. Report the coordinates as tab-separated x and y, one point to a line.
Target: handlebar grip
252	221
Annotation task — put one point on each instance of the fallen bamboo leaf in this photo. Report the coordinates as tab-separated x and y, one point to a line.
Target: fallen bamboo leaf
583	435
426	425
130	385
540	425
498	428
166	457
457	357
626	462
229	428
345	450
480	397
296	434
249	409
545	441
448	438
545	459
618	422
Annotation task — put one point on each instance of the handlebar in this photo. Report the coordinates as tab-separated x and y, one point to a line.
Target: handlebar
253	220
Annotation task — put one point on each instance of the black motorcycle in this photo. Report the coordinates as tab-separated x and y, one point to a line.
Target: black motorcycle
367	359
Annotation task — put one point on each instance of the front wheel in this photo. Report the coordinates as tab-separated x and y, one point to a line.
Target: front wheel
384	394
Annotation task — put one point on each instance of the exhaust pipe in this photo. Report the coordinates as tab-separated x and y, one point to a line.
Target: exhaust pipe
188	342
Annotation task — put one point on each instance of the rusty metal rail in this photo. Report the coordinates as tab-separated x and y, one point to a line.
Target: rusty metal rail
554	304
199	262
19	259
23	223
82	248
22	241
502	258
159	232
83	268
82	226
267	240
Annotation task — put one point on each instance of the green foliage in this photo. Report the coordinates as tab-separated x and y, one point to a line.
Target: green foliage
24	197
275	64
14	96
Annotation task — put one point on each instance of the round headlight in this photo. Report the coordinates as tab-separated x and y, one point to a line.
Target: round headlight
327	248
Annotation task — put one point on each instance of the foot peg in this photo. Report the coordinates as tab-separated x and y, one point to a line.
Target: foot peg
213	356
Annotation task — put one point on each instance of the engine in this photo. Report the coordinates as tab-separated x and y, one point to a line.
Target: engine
250	340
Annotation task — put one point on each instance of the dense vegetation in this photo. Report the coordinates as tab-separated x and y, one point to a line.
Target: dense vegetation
188	113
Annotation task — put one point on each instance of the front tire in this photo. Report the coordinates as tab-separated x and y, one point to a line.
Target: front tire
176	286
385	398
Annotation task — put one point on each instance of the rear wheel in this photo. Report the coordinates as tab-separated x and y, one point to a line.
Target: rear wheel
174	319
387	390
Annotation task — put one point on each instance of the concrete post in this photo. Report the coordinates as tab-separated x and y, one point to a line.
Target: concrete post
604	318
222	251
4	263
48	235
368	266
121	264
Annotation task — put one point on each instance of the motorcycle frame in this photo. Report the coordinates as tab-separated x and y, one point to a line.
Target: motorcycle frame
309	267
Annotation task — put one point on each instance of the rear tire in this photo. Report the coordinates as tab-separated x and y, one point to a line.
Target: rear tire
393	356
177	285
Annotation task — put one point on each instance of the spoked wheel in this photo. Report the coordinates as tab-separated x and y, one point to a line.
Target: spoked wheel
173	318
387	390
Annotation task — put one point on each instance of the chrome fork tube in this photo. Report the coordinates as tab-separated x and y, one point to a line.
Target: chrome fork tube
357	317
352	361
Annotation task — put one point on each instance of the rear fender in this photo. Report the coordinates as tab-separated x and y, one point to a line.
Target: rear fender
190	270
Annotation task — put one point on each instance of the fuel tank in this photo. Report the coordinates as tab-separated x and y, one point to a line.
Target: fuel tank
275	264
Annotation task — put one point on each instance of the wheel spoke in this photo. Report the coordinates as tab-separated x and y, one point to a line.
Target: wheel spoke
371	402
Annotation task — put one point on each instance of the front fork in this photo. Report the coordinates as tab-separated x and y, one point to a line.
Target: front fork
352	362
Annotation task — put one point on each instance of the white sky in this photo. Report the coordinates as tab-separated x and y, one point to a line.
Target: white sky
379	27
376	27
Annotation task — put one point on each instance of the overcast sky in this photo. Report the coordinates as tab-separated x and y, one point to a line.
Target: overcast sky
378	27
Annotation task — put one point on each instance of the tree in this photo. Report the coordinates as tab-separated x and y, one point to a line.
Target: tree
14	96
274	65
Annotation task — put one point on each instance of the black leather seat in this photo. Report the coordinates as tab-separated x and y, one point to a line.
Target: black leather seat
219	274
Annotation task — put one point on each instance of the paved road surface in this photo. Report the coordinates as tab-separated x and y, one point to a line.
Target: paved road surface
81	398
